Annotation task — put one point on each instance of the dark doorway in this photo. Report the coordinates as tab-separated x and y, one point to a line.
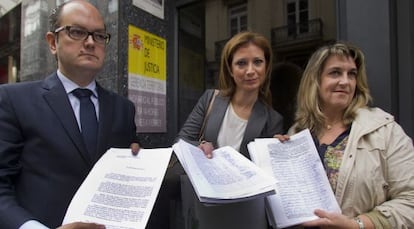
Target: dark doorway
284	86
191	57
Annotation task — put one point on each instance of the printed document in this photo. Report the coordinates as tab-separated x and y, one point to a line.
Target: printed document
225	178
301	181
121	189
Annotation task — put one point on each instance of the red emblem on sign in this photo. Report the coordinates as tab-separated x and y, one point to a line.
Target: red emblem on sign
136	42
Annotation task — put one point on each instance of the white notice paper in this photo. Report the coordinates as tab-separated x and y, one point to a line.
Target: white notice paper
302	185
121	189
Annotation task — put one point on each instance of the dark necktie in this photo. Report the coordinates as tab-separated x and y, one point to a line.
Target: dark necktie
89	123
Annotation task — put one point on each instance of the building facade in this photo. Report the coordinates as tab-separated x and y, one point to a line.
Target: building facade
195	31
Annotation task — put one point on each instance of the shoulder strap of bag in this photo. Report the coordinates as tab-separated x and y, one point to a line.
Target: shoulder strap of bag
201	134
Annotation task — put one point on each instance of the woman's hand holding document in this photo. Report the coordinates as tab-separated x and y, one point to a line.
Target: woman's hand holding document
225	178
302	185
121	189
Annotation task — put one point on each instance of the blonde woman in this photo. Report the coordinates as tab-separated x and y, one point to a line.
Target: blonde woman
368	158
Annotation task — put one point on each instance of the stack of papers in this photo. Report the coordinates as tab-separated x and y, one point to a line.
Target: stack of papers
302	185
227	177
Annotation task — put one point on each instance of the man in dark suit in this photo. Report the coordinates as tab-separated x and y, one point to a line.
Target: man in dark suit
43	155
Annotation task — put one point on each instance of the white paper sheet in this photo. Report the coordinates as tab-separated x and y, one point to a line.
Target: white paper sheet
302	185
121	189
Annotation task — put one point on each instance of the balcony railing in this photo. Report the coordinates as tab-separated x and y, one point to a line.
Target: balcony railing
309	30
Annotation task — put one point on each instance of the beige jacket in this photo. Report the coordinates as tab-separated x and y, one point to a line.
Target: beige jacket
377	171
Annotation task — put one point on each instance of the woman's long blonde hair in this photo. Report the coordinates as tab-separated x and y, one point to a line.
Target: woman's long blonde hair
309	114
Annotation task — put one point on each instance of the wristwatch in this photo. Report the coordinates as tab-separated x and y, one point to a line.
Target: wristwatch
359	222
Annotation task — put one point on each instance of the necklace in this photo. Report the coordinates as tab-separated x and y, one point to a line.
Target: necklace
329	126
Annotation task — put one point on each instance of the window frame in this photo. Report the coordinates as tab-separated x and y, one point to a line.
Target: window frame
239	14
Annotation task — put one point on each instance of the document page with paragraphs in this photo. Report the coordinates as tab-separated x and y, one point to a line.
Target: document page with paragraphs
121	189
302	184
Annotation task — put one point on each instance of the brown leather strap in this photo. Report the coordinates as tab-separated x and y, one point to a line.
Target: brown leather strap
210	105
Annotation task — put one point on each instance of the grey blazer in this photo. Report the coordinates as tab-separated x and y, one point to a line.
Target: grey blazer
263	122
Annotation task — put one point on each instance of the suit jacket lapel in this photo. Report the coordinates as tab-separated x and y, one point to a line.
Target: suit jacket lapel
215	118
256	122
254	126
55	95
106	109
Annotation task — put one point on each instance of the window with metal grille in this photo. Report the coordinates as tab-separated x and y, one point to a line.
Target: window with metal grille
238	18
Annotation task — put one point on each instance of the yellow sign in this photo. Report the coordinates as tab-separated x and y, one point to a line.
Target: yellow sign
147	80
147	54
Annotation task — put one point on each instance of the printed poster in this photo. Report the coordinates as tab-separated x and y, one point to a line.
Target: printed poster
147	84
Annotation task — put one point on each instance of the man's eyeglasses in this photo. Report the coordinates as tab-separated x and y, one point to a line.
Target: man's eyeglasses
77	33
